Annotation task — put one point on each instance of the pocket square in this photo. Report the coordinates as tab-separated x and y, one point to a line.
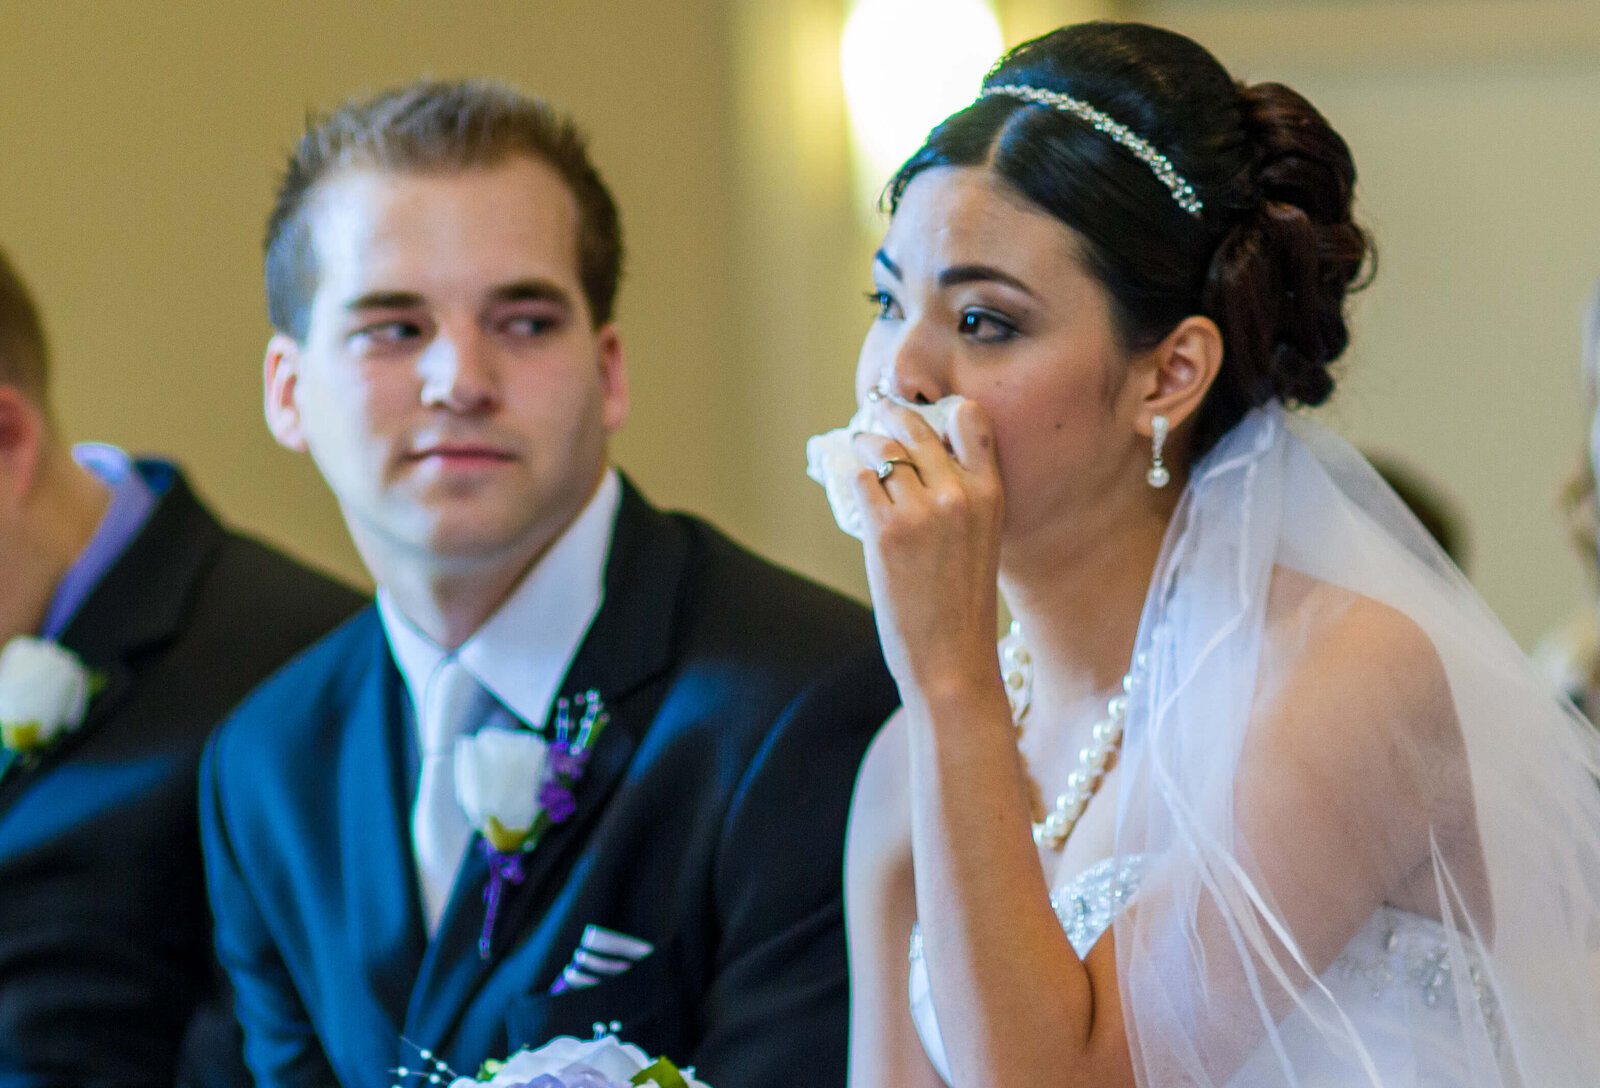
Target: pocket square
601	954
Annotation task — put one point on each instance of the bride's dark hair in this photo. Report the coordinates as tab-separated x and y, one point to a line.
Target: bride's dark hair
1270	258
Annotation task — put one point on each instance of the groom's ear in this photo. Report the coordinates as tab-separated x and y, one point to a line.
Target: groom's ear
1173	378
280	374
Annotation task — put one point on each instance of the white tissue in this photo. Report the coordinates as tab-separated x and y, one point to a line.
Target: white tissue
831	458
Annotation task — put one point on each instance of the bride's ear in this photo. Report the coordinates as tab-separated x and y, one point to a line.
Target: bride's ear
1172	379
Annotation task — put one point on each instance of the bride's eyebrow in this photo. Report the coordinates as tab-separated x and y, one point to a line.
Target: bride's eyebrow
882	258
978	273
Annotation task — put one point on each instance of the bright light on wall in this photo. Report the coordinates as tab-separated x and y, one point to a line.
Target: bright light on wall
909	64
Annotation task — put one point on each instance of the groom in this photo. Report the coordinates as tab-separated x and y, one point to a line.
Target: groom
441	267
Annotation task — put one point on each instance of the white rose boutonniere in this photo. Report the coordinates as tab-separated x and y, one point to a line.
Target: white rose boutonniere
498	772
44	692
514	785
602	1062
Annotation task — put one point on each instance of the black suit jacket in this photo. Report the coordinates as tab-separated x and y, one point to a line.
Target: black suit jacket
104	929
710	823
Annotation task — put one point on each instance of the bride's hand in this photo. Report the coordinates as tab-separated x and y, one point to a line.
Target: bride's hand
932	546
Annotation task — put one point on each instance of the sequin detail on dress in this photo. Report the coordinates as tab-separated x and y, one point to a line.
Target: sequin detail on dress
1401	961
1400	950
1087	903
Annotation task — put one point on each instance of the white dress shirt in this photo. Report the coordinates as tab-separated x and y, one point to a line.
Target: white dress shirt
522	652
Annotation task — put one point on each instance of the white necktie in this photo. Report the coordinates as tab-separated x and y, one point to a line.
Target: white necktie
452	704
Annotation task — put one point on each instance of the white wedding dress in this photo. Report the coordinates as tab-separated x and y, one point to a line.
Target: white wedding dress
1497	799
1395	977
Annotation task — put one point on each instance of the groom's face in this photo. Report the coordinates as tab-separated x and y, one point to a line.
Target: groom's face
452	386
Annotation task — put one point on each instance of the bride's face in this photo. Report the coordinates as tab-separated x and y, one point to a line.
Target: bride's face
982	294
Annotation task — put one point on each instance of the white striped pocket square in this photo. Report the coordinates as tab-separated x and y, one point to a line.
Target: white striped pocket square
601	954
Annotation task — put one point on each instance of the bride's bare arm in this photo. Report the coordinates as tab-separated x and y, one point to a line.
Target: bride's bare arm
1016	1005
880	909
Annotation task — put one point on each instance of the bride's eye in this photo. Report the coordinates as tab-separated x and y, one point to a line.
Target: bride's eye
986	326
885	304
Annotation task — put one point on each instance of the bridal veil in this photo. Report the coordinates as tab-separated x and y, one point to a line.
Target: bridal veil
1284	536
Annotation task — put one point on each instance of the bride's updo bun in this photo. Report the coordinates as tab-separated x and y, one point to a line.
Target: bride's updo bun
1270	256
1279	276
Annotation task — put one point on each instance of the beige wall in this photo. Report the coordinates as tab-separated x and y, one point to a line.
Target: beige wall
140	144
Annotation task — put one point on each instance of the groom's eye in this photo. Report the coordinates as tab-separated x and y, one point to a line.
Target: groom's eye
380	335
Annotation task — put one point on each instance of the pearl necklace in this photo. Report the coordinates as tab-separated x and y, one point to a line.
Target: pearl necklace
1016	669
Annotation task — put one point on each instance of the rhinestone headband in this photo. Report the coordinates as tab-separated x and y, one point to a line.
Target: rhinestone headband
1158	163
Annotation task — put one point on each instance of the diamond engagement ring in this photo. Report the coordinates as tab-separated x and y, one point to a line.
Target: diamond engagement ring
889	463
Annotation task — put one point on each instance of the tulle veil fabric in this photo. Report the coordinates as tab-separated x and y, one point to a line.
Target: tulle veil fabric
1217	982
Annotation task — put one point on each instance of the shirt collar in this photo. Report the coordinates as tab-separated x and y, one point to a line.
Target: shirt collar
521	653
132	501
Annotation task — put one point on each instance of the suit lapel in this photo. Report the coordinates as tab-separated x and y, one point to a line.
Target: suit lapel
138	604
383	914
629	644
143	597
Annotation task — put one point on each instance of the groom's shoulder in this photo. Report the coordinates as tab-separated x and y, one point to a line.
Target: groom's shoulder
312	694
736	597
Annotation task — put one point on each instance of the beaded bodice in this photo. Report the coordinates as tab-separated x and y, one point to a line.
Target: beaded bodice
1396	971
1087	904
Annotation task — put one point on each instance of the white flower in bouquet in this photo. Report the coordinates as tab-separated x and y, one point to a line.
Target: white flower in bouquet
44	691
565	1062
498	775
831	457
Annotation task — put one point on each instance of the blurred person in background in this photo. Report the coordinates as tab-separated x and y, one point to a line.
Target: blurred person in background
1569	656
1439	514
131	622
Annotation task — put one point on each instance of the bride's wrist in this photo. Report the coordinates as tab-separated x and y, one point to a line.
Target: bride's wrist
962	703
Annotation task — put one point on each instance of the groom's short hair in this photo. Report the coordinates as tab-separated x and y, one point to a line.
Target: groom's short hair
24	358
432	127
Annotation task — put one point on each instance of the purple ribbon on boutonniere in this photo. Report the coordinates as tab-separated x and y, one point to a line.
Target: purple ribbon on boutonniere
503	869
501	811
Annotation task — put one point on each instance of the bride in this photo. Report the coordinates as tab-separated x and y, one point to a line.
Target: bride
1260	792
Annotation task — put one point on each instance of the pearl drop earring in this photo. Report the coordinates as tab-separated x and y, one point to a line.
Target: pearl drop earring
1158	476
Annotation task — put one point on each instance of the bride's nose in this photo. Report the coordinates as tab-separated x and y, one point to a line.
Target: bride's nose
913	374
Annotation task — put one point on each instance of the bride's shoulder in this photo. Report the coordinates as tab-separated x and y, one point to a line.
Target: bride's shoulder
1342	670
880	809
1354	766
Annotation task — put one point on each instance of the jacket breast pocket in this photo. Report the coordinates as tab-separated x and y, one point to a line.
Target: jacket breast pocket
645	1002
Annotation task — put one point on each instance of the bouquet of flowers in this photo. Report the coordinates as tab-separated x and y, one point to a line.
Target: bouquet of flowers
603	1062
